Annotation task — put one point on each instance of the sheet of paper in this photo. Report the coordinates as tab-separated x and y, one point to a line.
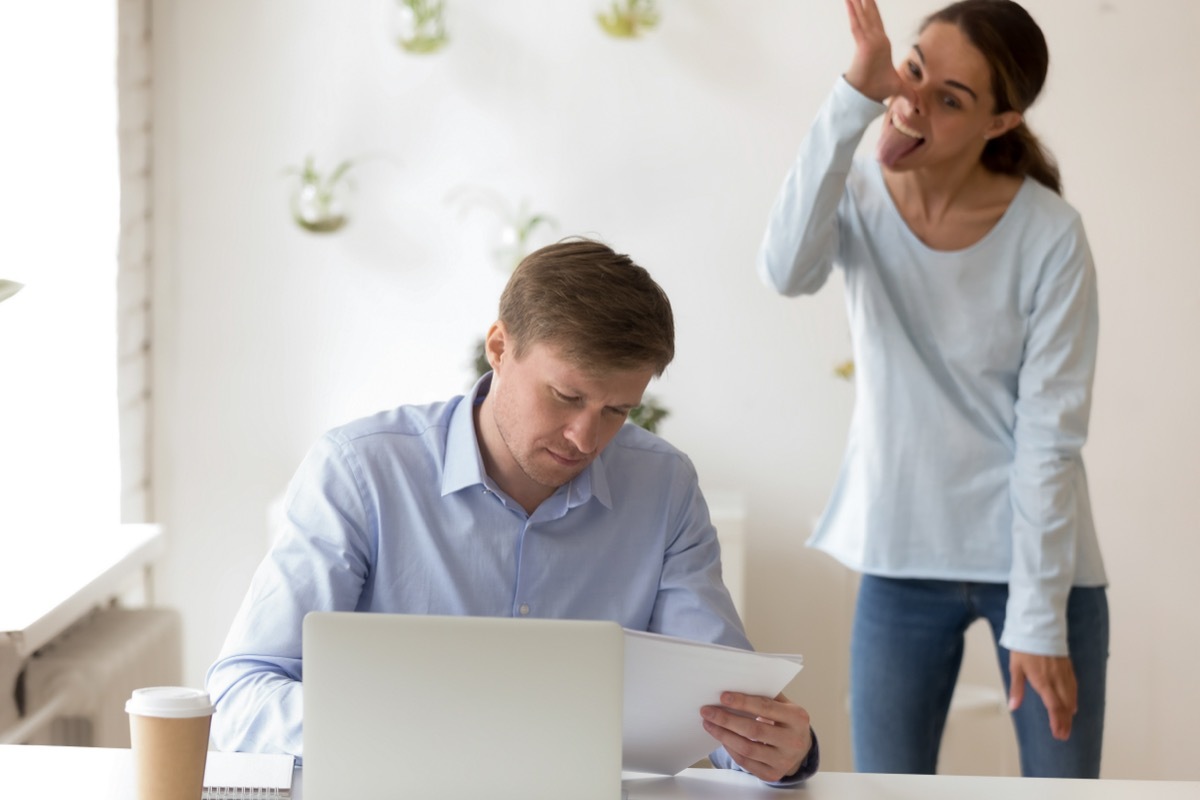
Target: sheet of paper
668	680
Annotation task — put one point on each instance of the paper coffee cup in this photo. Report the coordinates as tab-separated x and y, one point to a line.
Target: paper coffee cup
168	730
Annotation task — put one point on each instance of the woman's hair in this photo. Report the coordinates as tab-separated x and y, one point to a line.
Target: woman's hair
1016	52
599	309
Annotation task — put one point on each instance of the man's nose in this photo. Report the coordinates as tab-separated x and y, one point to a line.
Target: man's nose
582	431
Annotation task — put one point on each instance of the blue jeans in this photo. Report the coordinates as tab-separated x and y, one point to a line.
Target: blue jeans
905	653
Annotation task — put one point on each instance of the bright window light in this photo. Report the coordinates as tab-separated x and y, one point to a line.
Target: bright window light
60	204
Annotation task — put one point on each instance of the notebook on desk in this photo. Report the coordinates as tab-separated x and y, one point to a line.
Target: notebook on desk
399	705
233	776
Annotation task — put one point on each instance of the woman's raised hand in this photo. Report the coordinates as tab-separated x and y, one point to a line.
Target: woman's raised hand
871	72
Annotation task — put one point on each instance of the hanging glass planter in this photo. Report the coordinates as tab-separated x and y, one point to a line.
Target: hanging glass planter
421	25
628	19
8	289
319	202
514	238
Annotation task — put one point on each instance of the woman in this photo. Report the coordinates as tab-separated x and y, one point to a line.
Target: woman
972	300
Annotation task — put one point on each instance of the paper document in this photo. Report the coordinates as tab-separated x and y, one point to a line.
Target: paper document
668	680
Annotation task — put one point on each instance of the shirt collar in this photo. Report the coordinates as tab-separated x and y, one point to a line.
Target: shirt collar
463	466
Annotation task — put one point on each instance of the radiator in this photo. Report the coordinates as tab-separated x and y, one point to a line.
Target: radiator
88	673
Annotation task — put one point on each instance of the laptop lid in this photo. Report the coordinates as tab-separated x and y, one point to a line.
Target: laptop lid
402	705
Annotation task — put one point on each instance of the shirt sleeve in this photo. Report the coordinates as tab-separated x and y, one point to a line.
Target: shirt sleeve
319	563
692	601
1047	481
808	767
801	240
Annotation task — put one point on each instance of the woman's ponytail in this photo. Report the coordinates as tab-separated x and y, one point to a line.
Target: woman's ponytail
1019	152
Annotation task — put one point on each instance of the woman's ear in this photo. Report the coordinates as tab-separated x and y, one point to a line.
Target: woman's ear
1003	123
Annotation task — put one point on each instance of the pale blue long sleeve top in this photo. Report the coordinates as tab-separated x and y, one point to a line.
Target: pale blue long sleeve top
394	513
973	373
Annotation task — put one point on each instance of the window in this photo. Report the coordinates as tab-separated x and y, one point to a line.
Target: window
60	203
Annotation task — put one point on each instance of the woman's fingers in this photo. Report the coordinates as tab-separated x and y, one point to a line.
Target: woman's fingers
871	71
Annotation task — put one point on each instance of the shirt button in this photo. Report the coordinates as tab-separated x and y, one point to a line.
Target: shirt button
524	609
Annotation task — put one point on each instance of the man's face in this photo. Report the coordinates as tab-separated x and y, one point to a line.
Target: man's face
545	419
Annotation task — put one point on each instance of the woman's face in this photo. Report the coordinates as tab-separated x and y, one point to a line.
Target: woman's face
945	112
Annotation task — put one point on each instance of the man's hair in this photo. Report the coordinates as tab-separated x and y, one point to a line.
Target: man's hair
599	309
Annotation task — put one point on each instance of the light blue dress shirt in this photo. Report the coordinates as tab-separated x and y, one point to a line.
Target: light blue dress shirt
973	373
393	513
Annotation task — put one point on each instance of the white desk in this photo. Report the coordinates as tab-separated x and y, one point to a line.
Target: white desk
713	784
62	773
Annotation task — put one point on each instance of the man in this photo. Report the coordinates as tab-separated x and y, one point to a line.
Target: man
527	497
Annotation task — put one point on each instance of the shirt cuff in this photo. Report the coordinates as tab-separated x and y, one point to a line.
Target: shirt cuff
808	767
856	105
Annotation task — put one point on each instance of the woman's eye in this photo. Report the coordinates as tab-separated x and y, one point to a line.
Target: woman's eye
950	101
913	69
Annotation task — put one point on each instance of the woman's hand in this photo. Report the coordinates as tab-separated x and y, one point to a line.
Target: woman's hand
871	72
1053	678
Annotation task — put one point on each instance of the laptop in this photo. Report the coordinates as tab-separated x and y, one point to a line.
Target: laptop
403	705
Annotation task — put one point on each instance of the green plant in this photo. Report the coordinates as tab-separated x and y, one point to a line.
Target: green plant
318	202
423	26
516	227
627	19
8	289
648	414
479	361
515	236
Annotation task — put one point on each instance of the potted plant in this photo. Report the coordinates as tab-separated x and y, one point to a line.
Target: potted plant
422	27
319	201
515	236
628	19
8	289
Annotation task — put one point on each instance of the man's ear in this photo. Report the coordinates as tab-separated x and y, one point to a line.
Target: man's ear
1003	123
496	345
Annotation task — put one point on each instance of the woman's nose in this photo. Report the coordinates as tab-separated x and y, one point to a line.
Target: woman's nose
910	93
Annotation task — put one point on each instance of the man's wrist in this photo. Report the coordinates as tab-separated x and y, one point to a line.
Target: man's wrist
808	767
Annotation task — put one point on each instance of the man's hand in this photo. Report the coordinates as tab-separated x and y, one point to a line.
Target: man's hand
1053	678
768	738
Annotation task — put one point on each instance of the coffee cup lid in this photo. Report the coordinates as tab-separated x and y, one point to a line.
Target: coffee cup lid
175	702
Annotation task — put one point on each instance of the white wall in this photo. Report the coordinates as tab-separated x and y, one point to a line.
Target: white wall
671	148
